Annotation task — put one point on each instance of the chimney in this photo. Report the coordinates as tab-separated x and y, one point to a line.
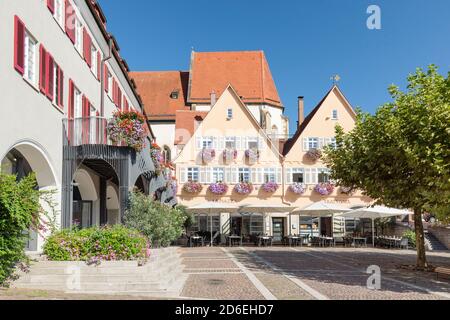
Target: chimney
213	98
301	111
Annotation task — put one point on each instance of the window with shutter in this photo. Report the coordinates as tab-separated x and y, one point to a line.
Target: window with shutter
19	41
99	62
182	175
70	21
43	69
61	89
305	144
30	58
51	5
87	46
50	77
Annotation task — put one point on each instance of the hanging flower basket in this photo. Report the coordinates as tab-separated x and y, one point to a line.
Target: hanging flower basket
173	185
218	188
314	154
229	155
192	187
243	188
346	190
270	187
208	155
252	155
157	157
324	189
297	188
128	127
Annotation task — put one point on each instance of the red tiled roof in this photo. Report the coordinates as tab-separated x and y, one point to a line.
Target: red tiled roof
247	71
155	88
186	124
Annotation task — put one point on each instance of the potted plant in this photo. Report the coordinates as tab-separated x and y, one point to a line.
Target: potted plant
229	155
243	188
270	187
192	187
324	189
314	154
297	188
218	188
208	155
128	127
157	157
252	154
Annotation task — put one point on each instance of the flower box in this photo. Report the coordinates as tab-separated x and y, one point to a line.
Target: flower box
297	188
324	189
192	187
252	155
128	127
208	155
229	155
243	188
314	154
270	187
218	188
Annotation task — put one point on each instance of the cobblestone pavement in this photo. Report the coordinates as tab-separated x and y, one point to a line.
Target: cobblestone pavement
308	273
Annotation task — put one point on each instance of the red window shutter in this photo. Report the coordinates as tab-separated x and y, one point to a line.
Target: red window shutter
99	63
19	45
43	69
50	77
127	106
106	82
115	92
71	106
87	43
70	21
51	5
119	97
61	88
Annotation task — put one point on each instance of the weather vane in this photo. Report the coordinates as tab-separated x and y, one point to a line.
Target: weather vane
336	78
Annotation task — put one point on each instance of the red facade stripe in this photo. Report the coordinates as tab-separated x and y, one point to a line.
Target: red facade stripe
19	45
51	5
70	21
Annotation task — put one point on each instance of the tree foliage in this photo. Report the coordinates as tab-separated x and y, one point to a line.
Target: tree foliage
160	223
400	156
19	206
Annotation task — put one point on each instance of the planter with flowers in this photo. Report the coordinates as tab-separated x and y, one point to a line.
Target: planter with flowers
347	190
270	187
192	187
252	155
157	157
243	188
173	184
297	188
229	155
218	188
208	155
324	189
129	128
314	154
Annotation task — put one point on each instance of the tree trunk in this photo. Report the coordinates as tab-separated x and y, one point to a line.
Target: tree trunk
420	240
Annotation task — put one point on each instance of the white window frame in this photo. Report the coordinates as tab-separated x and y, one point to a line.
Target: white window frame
59	12
244	175
252	140
207	142
294	171
78	35
192	172
231	140
29	73
270	175
217	175
324	171
335	114
230	113
55	84
94	61
313	143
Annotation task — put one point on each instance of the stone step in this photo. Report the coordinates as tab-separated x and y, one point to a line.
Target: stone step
94	286
433	243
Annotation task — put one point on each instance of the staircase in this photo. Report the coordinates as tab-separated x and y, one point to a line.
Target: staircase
161	277
432	243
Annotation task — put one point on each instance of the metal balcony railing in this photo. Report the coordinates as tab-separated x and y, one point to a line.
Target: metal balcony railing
86	131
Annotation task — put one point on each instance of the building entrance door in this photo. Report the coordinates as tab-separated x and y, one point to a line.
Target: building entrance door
326	227
278	229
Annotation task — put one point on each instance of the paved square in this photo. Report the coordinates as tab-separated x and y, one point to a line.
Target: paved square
308	273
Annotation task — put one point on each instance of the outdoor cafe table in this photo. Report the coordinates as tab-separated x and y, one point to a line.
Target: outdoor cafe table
195	238
264	240
295	240
232	239
326	241
361	241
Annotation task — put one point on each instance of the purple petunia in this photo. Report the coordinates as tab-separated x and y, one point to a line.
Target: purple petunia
218	188
270	187
324	189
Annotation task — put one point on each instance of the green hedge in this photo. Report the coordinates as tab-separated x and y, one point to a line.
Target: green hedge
95	244
19	207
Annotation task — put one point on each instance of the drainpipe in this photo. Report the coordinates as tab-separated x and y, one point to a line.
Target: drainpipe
102	77
283	185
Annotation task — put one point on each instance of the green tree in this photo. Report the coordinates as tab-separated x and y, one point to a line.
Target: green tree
400	157
160	223
19	207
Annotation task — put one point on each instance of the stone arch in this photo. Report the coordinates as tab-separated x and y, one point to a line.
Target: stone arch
86	185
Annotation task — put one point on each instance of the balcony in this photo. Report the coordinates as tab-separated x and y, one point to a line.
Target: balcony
87	131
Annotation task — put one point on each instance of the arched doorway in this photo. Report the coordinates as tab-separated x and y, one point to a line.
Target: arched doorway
23	159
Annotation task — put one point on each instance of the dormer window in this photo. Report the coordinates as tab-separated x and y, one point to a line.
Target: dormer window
174	95
334	115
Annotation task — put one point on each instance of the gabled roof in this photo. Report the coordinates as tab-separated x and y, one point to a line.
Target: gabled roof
156	88
186	123
291	142
247	71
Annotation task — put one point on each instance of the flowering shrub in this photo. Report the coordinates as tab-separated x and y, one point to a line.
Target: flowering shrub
252	155
208	155
218	188
314	154
128	127
229	155
297	188
324	189
270	187
192	187
96	244
243	188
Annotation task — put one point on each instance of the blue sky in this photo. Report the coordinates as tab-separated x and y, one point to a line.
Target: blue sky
305	41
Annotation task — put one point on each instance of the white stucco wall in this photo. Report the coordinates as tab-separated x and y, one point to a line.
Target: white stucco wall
165	135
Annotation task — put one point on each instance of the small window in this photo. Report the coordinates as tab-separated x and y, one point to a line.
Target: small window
335	115
207	142
78	35
252	143
192	174
30	58
313	143
229	113
56	90
94	65
230	143
244	175
270	175
174	95
298	175
323	176
218	175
